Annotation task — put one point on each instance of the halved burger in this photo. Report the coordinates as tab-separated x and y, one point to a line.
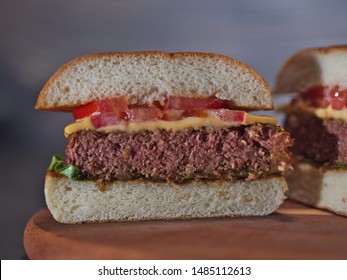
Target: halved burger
317	119
163	136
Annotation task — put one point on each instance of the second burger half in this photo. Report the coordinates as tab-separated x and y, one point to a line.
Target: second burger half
163	136
317	119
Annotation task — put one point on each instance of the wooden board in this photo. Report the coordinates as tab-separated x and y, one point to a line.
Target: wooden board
293	232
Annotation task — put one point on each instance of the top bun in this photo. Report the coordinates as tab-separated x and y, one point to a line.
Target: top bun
313	67
144	77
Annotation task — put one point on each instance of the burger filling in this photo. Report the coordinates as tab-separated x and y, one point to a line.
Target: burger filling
317	120
176	140
176	113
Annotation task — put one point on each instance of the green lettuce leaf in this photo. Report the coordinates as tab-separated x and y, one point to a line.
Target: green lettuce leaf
70	171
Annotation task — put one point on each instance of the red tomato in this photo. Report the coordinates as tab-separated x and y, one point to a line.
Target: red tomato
337	104
323	103
230	115
317	92
115	111
202	113
142	114
173	115
183	103
337	98
118	105
322	97
316	97
86	110
105	119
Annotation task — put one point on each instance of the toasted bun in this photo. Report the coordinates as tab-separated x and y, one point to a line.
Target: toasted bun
83	201
322	189
144	77
313	67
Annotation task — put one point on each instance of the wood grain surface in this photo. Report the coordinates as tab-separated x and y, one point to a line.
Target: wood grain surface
293	232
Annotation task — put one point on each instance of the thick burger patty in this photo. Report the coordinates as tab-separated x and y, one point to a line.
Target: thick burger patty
248	152
324	141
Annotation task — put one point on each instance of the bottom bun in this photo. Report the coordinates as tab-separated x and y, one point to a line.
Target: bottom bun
325	189
83	201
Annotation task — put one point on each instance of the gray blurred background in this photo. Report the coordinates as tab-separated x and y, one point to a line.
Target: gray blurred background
37	37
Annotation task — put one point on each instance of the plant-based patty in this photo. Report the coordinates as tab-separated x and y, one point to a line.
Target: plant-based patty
207	153
322	140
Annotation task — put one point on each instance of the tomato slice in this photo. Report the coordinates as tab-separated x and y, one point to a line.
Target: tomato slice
322	97
337	98
337	104
184	103
201	113
105	119
86	110
142	114
110	112
172	115
175	115
230	115
118	105
317	92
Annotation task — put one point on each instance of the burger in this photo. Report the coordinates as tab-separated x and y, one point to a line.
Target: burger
317	119
163	136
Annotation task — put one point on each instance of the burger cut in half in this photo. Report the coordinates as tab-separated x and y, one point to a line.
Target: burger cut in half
163	136
317	119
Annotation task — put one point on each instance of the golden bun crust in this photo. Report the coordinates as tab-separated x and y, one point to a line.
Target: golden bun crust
144	77
322	66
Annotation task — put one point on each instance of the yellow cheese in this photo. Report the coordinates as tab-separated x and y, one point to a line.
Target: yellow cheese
83	124
189	122
329	112
250	119
322	113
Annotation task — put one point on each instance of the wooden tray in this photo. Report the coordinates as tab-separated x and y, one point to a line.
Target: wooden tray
293	232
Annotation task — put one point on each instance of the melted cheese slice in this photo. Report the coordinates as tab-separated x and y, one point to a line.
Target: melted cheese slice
322	113
80	125
189	122
329	112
